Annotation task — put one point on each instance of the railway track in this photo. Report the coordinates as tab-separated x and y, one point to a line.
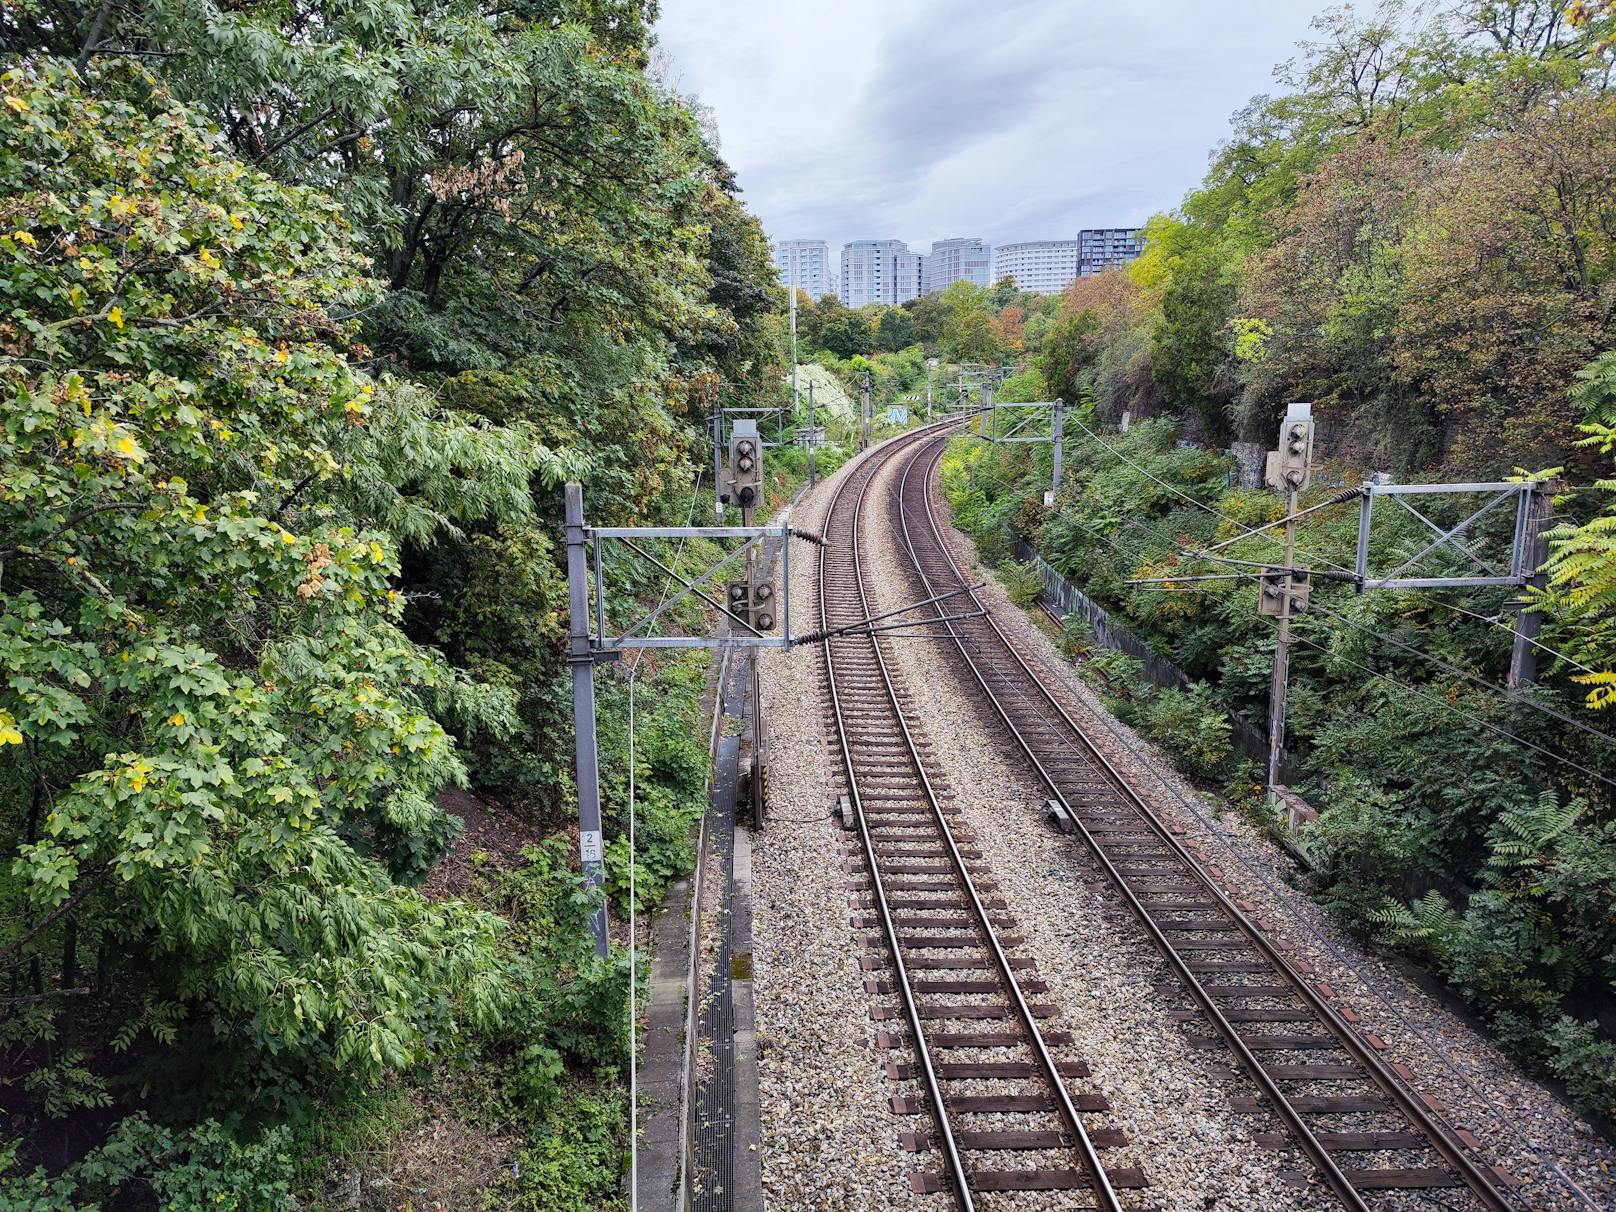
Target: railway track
1321	1085
1002	1119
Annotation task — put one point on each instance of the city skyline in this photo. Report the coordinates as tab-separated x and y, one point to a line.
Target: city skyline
888	271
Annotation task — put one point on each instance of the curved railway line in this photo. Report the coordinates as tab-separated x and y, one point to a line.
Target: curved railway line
1002	1118
1321	1086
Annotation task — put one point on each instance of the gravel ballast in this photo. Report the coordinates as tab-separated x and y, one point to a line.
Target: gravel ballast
830	1140
1171	1102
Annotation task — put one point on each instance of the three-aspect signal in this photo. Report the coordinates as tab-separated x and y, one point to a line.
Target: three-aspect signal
1291	466
1276	586
745	465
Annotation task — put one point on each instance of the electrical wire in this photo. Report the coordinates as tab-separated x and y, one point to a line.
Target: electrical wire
1512	695
1498	622
1457	710
1509	1121
1149	765
1182	495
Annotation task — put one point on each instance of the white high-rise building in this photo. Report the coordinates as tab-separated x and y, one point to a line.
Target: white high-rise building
1043	267
879	271
804	264
957	260
908	275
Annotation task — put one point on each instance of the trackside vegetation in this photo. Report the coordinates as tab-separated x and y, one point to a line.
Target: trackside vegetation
287	887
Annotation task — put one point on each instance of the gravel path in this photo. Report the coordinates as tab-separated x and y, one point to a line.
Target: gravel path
1561	1162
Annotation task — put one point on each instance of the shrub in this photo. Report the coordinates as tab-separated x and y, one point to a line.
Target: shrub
1361	849
573	1163
1191	726
144	1165
1022	583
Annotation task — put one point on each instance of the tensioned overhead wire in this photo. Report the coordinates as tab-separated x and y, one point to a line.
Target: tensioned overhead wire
1513	695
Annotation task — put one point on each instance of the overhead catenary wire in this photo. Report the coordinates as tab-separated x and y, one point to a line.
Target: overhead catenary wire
1490	727
1182	495
1507	1117
1148	764
1513	738
1498	622
1061	737
1442	1054
1513	695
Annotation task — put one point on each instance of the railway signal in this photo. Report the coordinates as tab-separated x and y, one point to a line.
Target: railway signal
1284	590
745	464
1288	471
753	603
1291	466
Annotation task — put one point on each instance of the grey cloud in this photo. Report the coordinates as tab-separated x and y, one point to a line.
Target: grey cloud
1024	120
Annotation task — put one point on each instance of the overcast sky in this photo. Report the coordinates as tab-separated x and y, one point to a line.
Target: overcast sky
1007	119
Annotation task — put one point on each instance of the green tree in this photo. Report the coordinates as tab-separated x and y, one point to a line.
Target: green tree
930	316
220	753
894	330
846	333
1069	353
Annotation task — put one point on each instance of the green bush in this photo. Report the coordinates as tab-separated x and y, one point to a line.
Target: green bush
145	1166
1585	1062
1361	849
1022	583
1076	638
573	1163
1192	727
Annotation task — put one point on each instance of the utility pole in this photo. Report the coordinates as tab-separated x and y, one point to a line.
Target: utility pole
931	365
864	441
1057	426
1288	469
813	436
793	290
1529	622
582	660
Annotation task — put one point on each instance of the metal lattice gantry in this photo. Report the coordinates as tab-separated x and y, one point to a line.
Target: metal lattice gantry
637	539
1019	422
1485	540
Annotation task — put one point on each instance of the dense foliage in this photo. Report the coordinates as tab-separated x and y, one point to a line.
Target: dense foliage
290	388
1415	232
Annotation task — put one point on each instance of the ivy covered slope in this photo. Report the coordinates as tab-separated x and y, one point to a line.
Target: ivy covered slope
289	393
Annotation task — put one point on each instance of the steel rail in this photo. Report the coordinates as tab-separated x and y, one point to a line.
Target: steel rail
1101	1185
1085	1146
1436	1132
870	464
